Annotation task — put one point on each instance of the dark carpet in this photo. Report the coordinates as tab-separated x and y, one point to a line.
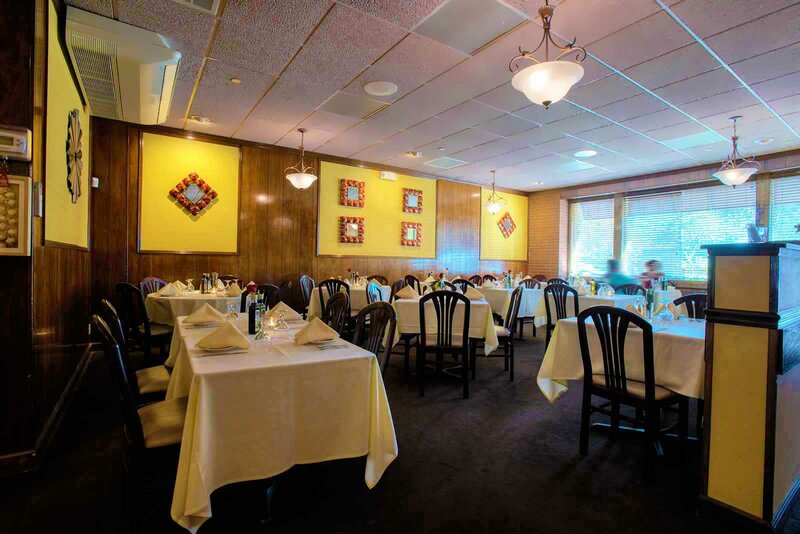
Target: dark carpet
503	461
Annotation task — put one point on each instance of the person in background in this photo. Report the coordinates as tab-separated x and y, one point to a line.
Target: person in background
615	276
652	272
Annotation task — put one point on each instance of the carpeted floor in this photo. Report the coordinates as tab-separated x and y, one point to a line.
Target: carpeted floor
503	461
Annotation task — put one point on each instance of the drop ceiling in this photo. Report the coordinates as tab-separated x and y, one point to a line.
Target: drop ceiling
661	79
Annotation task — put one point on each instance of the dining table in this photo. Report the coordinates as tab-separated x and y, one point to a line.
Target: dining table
358	298
253	414
165	309
499	298
584	301
678	355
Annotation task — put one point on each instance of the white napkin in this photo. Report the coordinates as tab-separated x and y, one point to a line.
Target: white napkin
631	308
180	285
220	284
527	277
234	290
315	330
407	292
488	284
671	308
288	312
429	280
225	336
205	314
670	288
169	290
583	290
473	294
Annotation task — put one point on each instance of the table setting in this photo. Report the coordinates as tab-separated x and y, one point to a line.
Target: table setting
358	296
176	299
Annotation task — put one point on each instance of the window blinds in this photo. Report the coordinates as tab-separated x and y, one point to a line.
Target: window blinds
591	236
784	209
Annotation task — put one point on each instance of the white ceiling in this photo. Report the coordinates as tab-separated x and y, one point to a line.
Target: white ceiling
661	80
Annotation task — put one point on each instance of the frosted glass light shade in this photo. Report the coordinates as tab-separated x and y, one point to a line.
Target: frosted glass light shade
548	82
735	176
301	180
495	206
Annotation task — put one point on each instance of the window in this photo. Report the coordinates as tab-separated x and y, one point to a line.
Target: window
671	227
784	209
591	236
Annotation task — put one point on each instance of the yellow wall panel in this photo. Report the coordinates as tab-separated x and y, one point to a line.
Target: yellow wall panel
167	226
494	245
383	213
65	222
732	273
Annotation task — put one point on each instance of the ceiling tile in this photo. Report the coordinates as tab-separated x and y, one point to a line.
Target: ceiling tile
675	66
660	119
312	139
603	134
329	122
489	150
579	123
778	87
704	85
771	32
678	130
504	97
457	142
536	136
405	14
707	17
719	103
457	118
358	137
561	145
603	91
351	105
101	7
636	106
262	130
721	121
787	105
773	64
186	29
556	112
507	125
180	101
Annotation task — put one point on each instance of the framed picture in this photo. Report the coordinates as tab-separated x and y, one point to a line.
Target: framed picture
351	193
15	217
412	200
411	235
351	229
507	225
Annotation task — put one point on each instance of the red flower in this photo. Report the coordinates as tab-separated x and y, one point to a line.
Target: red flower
349	270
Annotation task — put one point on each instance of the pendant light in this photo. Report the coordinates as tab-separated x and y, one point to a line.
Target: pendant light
736	169
495	202
546	82
302	175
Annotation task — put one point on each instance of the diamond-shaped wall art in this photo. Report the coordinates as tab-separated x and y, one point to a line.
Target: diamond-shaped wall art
506	225
193	194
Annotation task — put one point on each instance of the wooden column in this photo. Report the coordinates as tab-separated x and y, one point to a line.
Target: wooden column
751	461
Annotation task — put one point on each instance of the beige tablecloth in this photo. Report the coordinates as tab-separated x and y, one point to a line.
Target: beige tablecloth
500	298
164	310
678	353
254	415
481	325
584	301
358	299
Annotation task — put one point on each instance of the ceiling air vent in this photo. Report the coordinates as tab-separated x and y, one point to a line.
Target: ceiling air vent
445	163
206	6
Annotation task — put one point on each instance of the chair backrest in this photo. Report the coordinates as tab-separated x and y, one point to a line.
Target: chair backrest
489	277
397	286
539	277
414	282
630	289
449	285
132	309
337	311
696	304
112	319
513	308
228	278
382	280
462	284
611	325
375	325
125	394
374	292
272	294
556	281
530	283
328	288
151	284
476	279
560	294
444	306
307	285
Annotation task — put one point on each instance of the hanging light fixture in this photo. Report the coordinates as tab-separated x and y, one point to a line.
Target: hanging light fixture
302	175
736	169
495	202
546	82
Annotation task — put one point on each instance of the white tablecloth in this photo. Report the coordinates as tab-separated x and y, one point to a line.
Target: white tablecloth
678	353
584	301
358	299
481	325
254	415
164	310
499	299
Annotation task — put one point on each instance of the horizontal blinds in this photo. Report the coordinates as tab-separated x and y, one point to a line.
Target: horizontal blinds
671	227
591	236
784	209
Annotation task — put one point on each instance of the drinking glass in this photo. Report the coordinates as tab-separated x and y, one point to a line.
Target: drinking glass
281	325
233	312
189	286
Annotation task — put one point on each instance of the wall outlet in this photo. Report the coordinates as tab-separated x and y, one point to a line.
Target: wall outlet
95	182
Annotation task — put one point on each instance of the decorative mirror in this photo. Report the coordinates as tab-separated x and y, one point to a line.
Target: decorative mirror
412	201
193	194
351	193
411	235
74	154
351	229
506	225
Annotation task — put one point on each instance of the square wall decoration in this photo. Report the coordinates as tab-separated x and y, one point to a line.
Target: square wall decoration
351	229
506	224
412	200
193	194
351	193
411	235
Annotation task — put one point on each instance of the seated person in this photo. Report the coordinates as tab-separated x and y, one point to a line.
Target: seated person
652	273
615	276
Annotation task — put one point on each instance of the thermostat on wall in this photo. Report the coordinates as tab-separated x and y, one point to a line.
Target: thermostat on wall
388	175
15	143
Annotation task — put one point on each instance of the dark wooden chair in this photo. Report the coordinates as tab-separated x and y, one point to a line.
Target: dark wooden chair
556	281
336	313
462	284
151	284
272	296
140	332
449	338
630	289
559	294
539	277
382	280
228	278
307	285
373	291
489	277
328	288
375	326
414	282
397	286
505	335
449	285
696	304
476	279
530	283
612	384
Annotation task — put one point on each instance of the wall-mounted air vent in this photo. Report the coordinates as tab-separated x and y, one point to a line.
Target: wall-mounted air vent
94	60
206	6
445	163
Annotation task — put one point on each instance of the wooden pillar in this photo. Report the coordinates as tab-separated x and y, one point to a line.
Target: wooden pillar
751	461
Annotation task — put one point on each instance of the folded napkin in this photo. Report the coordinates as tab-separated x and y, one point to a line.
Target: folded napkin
670	288
489	284
429	280
527	277
315	330
671	308
288	312
407	292
223	337
180	285
220	284
473	294
631	308
169	290
205	314
582	290
234	290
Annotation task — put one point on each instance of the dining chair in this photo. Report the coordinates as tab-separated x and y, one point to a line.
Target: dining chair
374	292
272	296
489	277
696	304
140	332
228	278
146	383
375	326
406	339
327	288
414	282
476	279
397	286
151	284
630	289
307	285
449	285
505	335
448	337
612	383
462	284
556	281
530	283
337	312
539	277
560	294
382	280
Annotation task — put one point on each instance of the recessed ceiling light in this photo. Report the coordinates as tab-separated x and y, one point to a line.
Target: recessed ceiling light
202	119
585	153
380	88
537	182
414	153
442	148
764	140
235	81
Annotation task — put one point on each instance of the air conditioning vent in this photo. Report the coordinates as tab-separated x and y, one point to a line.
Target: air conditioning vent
206	6
445	163
94	60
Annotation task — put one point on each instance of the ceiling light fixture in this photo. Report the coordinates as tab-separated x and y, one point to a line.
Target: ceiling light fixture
201	119
414	153
380	88
495	202
235	81
302	176
736	169
764	141
546	82
537	182
585	153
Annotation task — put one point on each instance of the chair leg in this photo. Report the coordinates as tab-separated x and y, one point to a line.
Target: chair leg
683	426
406	357
653	415
534	327
547	338
465	371
520	327
586	413
614	418
472	354
698	428
421	371
512	359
